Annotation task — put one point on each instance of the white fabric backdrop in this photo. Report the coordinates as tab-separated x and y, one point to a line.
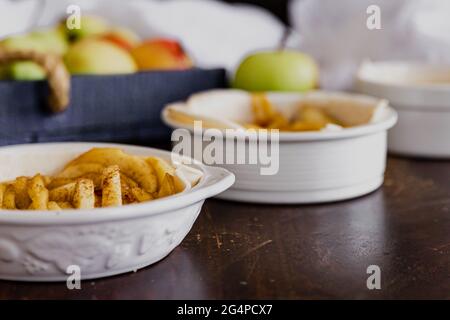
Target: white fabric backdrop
335	33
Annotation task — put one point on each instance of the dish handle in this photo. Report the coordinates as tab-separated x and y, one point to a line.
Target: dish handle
215	180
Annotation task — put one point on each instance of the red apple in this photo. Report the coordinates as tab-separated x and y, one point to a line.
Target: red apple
122	37
161	54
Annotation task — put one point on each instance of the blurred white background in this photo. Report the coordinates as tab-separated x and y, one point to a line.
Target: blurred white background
335	33
219	34
214	33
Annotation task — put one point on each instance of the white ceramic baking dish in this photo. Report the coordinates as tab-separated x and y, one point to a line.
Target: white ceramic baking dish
420	93
40	245
313	166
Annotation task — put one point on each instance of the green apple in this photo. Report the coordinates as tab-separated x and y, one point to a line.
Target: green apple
23	42
52	40
282	70
89	26
96	56
4	72
25	71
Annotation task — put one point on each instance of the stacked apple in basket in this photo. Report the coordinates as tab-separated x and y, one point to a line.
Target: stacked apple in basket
95	48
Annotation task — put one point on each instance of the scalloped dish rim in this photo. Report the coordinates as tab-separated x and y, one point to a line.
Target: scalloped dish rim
208	186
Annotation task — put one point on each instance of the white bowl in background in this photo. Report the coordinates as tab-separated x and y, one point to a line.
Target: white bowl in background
40	245
314	167
420	93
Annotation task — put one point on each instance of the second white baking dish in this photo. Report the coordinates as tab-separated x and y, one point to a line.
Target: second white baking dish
313	166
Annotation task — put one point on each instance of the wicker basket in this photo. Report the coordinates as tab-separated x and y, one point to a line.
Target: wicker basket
120	108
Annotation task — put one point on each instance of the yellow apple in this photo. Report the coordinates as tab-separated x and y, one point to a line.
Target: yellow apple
96	56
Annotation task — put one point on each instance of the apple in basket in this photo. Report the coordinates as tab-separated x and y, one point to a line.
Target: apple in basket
97	56
44	41
161	54
123	37
90	26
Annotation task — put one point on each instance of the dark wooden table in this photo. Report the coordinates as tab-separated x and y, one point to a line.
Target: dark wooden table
245	251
